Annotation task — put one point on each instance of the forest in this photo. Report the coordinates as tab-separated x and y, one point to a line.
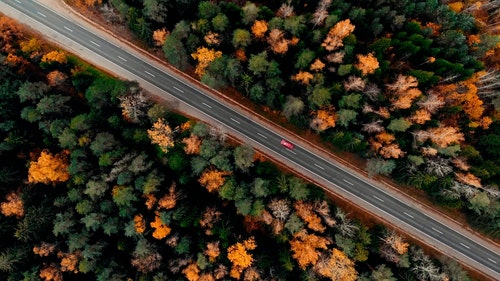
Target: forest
98	182
410	86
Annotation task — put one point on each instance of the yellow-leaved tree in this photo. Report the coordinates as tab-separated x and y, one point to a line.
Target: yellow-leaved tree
204	56
239	256
49	168
55	56
162	135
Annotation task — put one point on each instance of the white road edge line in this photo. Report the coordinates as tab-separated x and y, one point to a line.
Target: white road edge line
492	260
319	166
95	43
235	121
408	215
465	245
262	135
41	14
207	105
348	182
121	58
68	29
178	89
437	230
378	198
149	73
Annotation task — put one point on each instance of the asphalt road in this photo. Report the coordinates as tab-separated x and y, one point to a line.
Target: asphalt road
452	242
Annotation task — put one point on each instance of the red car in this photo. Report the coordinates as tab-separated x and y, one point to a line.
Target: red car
287	144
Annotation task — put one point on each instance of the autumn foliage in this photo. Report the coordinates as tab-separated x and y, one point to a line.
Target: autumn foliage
192	144
161	134
55	56
204	56
49	168
259	28
336	34
323	119
139	224
161	230
14	205
367	64
239	256
212	179
336	266
305	211
305	248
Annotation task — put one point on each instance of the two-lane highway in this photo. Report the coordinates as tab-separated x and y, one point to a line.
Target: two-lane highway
452	242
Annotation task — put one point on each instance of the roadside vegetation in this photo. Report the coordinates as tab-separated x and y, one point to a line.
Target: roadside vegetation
97	182
410	86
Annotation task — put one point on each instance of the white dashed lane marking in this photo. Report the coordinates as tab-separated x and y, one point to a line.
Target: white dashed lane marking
95	43
348	182
122	58
68	29
437	230
408	215
319	166
207	105
378	198
178	89
41	14
235	121
149	73
262	135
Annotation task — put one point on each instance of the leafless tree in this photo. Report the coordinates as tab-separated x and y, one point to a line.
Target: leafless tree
280	208
373	127
321	12
432	103
354	83
285	11
372	91
438	166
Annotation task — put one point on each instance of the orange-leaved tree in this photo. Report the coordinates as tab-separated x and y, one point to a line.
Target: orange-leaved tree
159	36
303	77
49	168
212	179
239	256
259	28
304	247
192	272
212	251
323	119
336	34
139	224
192	143
305	211
367	64
204	56
161	230
14	205
162	135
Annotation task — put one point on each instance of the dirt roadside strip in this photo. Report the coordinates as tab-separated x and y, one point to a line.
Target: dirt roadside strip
62	8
